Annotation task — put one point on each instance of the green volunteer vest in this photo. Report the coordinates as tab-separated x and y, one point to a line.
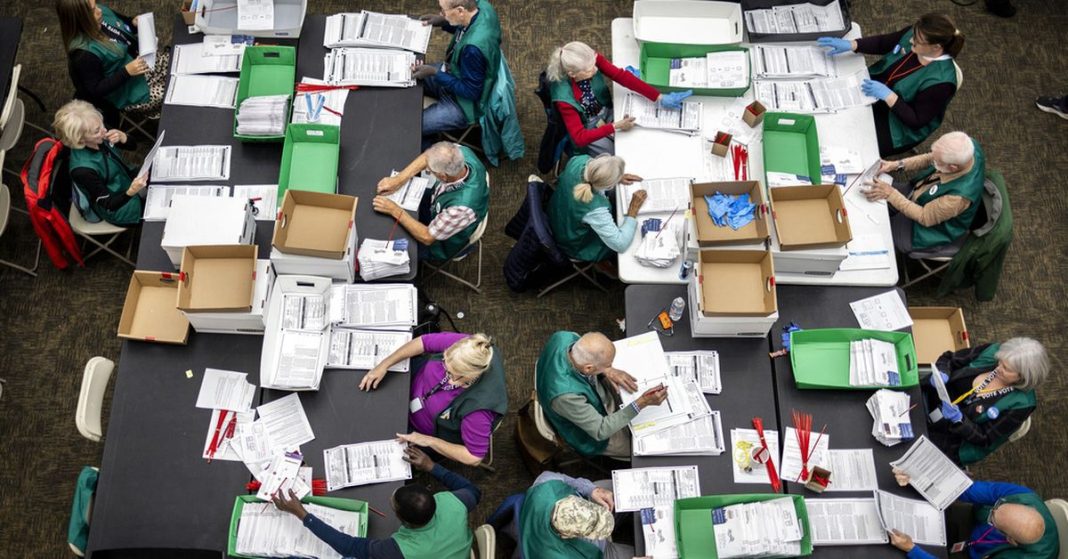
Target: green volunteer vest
117	177
473	194
562	91
114	56
446	536
540	540
577	239
489	393
484	33
1047	547
968	186
557	377
939	71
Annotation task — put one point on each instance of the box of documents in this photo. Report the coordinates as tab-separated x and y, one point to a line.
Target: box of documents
273	18
250	529
732	294
343	268
711	234
266	71
149	313
315	234
713	70
791	149
245	322
722	526
810	217
936	330
821	357
373	29
217	278
687	22
309	158
296	338
795	20
206	220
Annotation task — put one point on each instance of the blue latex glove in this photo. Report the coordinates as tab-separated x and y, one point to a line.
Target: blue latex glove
951	412
945	379
637	73
837	46
875	89
674	100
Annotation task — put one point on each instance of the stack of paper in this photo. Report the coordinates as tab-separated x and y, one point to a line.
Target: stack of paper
372	29
851	469
663	195
364	463
192	58
382	259
845	522
226	45
369	67
159	196
720	70
688	72
762	529
775	61
282	475
658	528
643	357
701	367
932	474
653	492
410	194
255	14
364	349
238	436
925	523
191	163
700	437
202	91
873	363
325	107
264	115
304	324
387	306
890	411
795	18
649	114
146	38
823	95
265	531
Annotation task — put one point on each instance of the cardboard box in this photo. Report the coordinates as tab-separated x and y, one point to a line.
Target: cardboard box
709	234
809	262
206	220
343	269
936	330
735	283
271	355
315	224
248	322
810	217
188	17
219	17
721	144
149	313
753	114
217	278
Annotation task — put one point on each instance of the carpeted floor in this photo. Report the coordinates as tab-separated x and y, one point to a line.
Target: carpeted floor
50	326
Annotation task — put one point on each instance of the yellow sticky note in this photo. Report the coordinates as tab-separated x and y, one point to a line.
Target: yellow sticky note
189	373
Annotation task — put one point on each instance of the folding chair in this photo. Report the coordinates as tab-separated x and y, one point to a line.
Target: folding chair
90	230
1020	433
13	117
487	461
546	430
95	379
5	213
1058	508
579	268
932	265
476	238
126	119
459	136
485	543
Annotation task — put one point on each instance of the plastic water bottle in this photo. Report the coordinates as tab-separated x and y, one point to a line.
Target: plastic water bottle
677	308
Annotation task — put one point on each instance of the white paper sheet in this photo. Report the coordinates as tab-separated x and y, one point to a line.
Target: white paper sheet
376	306
223	435
867	252
365	349
925	523
191	163
265	531
147	43
774	61
728	69
158	199
380	258
252	444
410	194
821	95
664	195
640	488
283	475
758	472
146	166
658	529
844	522
791	454
851	469
702	436
369	67
299	363
376	29
202	91
701	367
222	45
226	390
643	358
189	59
255	15
932	473
365	463
885	311
649	114
286	424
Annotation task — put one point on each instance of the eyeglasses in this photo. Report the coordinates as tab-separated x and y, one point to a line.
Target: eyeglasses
994	509
457	379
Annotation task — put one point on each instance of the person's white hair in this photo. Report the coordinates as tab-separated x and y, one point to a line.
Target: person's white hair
601	173
593	348
468	5
575	56
445	158
1027	357
955	148
74	121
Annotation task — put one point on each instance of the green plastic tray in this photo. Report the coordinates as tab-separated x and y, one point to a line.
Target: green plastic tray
694	534
309	159
655	66
791	145
267	70
332	502
820	357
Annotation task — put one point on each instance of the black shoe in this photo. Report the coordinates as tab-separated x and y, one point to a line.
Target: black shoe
1055	105
1001	8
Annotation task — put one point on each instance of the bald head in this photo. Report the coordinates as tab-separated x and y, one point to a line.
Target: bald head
1023	524
593	353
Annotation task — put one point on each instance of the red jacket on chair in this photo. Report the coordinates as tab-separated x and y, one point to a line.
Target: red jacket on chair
43	176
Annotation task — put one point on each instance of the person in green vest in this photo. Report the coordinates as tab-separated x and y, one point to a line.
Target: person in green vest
458	394
915	79
580	81
992	387
96	169
433	525
577	387
463	83
935	210
457	204
1010	522
580	214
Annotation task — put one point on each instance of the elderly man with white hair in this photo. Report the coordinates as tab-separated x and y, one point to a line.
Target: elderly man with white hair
934	211
452	211
577	387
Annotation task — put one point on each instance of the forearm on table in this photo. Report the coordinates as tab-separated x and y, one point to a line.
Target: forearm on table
418	165
413	348
577	410
415	228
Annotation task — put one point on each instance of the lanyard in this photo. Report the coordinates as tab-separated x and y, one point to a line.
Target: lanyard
897	74
443	385
982	539
980	392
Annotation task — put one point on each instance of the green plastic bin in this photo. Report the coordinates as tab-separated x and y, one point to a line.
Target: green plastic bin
267	70
820	357
791	145
655	65
332	502
694	535
309	159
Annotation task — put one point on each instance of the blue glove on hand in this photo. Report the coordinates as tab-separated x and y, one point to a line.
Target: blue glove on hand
674	100
637	73
837	46
945	379
875	89
951	412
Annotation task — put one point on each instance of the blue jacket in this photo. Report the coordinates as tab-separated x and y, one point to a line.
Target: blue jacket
535	256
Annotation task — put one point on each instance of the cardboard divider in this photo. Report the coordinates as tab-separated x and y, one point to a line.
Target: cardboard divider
149	313
736	283
217	278
315	224
710	234
810	217
936	330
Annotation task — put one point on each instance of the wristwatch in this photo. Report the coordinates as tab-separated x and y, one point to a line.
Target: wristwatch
901	165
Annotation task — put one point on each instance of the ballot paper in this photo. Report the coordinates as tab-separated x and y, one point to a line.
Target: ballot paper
224	435
264	115
777	61
791	455
285	423
410	194
643	358
282	475
225	390
925	523
845	522
191	163
382	259
728	69
867	252
189	58
658	529
795	18
364	463
365	349
324	107
932	473
225	45
873	363
701	367
146	166
147	43
251	444
885	311
255	15
650	114
369	67
159	196
701	437
663	195
890	410
852	469
264	199
688	72
760	529
202	91
299	360
641	488
303	312
822	95
939	384
386	306
747	470
376	30
263	530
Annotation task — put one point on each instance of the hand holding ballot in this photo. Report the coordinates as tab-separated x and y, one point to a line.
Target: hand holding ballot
418	459
289	503
423	71
901	540
624	124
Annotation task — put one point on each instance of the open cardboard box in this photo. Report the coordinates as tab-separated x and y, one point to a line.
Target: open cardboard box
708	233
149	313
810	217
315	224
248	322
188	17
217	278
736	283
936	330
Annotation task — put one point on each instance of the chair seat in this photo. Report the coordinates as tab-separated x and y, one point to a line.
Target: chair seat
80	225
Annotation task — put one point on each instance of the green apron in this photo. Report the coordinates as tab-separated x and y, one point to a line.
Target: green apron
574	237
474	194
484	33
117	178
968	186
489	393
540	540
114	57
446	536
1046	547
556	376
562	92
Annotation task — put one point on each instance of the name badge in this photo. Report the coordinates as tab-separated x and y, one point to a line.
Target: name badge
958	547
933	189
415	405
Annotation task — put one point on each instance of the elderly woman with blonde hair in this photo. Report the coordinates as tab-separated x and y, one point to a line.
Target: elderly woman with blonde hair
458	394
101	175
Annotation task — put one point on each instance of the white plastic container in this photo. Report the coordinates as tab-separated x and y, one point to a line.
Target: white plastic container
219	17
206	220
726	326
687	22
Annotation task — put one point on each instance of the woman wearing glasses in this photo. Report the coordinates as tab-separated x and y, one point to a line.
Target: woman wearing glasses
457	396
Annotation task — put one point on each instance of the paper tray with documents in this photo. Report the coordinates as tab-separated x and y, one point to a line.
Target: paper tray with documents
655	60
265	71
820	357
372	29
338	503
693	522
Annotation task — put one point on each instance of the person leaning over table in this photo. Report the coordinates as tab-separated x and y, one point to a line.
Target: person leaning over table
458	394
95	168
1011	522
577	387
580	86
995	384
915	79
433	525
453	210
580	214
936	208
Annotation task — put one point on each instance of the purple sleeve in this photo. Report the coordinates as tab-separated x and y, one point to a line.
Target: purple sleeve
437	343
476	430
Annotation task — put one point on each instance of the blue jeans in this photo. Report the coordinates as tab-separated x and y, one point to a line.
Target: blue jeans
442	116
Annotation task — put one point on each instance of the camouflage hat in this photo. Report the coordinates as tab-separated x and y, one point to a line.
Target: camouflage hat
575	517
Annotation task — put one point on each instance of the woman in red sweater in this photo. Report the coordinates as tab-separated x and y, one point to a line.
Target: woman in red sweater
580	90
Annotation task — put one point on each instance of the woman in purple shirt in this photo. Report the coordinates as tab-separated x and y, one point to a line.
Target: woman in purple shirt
457	396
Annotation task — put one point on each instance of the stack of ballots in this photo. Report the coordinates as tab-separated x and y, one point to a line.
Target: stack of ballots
382	259
873	363
266	531
762	529
263	116
890	410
